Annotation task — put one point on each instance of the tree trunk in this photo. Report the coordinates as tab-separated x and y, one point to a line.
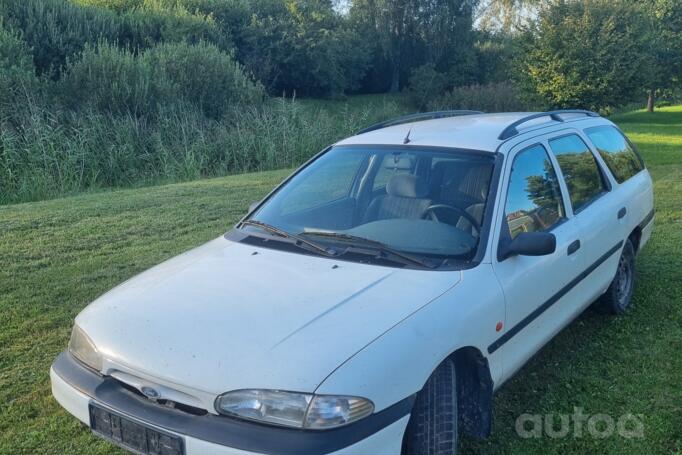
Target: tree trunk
395	70
650	101
395	79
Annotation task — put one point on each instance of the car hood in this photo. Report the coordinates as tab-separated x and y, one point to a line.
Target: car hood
229	316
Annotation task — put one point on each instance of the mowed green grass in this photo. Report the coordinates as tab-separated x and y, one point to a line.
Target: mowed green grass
57	256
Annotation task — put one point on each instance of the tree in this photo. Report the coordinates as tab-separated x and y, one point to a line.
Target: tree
664	46
410	33
302	46
544	190
507	16
587	53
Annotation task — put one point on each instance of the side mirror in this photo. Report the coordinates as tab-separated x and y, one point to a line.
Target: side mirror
529	244
253	205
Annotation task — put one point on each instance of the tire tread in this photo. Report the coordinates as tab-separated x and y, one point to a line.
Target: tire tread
432	429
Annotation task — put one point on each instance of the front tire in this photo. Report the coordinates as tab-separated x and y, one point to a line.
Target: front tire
432	429
618	297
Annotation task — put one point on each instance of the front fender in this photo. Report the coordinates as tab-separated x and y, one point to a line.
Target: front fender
398	363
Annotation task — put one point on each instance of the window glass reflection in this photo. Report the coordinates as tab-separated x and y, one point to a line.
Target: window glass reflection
617	153
580	169
533	198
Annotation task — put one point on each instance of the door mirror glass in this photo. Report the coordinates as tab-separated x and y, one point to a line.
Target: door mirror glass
530	244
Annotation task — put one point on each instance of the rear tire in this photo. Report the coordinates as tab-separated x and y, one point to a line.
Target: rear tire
618	297
432	429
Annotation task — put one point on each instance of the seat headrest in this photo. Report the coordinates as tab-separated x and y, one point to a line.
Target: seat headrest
407	185
455	177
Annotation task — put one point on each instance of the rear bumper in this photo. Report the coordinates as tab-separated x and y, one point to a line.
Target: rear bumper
75	387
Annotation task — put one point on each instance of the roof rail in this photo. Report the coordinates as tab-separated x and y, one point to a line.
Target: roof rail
416	118
511	130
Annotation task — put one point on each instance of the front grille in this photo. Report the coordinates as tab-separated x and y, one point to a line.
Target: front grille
165	403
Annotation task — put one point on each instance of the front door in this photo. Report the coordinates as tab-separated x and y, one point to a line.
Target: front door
538	302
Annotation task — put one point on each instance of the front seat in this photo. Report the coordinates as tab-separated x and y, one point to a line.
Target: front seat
406	197
475	183
462	186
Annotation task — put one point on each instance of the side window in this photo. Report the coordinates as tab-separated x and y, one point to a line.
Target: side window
331	181
618	154
581	171
533	199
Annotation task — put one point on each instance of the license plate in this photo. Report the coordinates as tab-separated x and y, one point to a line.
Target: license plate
133	436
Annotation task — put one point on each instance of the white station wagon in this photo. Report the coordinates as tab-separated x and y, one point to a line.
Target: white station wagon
374	301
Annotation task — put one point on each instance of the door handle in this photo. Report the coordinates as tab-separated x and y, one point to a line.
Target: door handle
573	247
622	212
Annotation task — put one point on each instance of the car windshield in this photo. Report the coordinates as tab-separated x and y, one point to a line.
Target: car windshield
410	203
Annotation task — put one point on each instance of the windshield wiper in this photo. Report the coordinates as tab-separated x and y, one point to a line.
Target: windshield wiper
298	240
374	244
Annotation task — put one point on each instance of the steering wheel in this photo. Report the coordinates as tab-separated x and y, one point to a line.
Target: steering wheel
430	213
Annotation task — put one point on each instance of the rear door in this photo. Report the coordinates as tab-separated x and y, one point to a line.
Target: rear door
538	301
598	211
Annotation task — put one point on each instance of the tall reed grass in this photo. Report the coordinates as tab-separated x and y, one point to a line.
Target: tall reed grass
49	154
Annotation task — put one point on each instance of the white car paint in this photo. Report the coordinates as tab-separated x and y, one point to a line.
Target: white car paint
385	442
272	311
228	316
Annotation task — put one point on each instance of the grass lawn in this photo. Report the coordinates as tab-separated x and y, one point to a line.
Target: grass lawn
57	256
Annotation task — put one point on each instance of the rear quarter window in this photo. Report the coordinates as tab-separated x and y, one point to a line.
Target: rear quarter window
619	156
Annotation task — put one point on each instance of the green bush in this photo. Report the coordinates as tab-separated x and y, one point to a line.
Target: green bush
200	74
16	68
288	45
428	90
109	79
58	30
169	21
426	84
119	6
495	97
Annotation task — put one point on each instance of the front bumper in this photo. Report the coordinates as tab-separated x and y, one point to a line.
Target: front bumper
75	387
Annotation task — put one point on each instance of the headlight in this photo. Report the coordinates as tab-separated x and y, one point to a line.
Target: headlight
329	411
301	410
82	348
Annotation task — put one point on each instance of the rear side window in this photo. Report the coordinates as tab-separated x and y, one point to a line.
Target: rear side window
581	171
533	199
618	154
